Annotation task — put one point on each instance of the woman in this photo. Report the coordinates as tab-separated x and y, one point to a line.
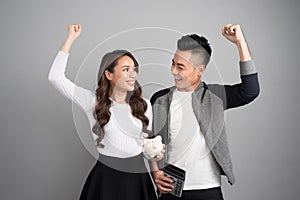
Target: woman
119	118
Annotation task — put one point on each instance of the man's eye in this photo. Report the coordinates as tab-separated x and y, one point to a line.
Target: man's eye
126	70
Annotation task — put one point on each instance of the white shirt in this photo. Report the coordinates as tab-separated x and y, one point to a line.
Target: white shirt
188	149
123	133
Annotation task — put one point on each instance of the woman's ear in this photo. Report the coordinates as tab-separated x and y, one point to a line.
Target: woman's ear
108	75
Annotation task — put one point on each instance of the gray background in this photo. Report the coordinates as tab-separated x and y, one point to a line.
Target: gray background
42	154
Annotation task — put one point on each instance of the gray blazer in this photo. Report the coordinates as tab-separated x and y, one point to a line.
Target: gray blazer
209	103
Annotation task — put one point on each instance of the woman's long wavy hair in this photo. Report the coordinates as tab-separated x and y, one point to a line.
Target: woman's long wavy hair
102	114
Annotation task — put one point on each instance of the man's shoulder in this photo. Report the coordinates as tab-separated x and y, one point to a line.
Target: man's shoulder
158	94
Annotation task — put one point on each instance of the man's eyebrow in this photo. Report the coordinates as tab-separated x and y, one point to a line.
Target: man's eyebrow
179	64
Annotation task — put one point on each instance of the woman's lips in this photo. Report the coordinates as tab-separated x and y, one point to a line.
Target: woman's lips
131	82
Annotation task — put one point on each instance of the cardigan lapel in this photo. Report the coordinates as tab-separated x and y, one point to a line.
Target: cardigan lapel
209	114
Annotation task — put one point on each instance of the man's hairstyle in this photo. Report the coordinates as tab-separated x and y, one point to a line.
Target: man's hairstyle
197	45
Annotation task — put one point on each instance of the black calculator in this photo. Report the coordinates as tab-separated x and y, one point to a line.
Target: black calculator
178	176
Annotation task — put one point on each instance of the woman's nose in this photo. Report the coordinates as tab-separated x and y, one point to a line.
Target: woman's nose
132	73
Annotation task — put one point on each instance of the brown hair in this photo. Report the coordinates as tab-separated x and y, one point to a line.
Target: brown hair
102	114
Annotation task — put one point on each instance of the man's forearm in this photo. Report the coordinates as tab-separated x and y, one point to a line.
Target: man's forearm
243	51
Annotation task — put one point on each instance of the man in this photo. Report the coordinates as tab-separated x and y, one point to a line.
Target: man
190	117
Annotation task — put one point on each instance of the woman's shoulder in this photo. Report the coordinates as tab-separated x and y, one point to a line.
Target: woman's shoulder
147	100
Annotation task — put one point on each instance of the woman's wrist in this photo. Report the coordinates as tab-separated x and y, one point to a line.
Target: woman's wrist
67	45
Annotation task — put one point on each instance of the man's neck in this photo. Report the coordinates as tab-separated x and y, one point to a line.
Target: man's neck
191	88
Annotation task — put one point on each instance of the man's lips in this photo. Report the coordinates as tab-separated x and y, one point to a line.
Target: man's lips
177	79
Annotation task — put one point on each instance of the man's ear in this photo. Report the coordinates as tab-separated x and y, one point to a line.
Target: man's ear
200	69
108	75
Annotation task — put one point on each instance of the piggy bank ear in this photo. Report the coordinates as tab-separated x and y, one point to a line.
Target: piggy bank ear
146	141
159	138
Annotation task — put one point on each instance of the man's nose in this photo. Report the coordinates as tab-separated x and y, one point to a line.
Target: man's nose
174	71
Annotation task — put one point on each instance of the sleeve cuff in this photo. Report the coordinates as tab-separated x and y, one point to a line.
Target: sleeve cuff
62	53
247	67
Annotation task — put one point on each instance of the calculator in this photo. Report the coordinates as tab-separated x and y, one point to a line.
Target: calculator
178	176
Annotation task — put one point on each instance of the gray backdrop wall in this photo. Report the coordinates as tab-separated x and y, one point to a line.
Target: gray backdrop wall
43	152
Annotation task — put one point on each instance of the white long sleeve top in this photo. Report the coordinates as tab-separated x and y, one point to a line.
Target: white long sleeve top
123	133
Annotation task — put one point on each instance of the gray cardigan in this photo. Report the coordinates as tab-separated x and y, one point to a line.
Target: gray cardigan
209	103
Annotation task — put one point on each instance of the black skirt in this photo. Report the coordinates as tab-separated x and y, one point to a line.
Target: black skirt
119	179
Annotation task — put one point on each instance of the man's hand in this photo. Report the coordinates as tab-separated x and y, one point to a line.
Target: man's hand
233	33
163	183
